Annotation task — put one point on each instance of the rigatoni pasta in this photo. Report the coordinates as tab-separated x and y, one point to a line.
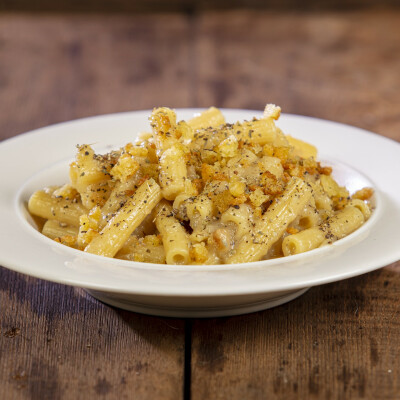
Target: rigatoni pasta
45	204
113	236
175	238
201	191
273	223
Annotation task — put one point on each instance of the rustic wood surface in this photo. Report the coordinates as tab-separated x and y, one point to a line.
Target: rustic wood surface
337	341
188	6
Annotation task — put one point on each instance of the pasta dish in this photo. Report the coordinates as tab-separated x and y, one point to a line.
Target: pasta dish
201	191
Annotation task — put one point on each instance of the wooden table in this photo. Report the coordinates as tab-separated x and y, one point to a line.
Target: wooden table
338	341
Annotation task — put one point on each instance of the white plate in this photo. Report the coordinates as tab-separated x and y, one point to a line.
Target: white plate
40	158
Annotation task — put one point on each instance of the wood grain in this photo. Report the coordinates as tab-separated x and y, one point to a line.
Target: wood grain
187	6
338	66
56	342
92	65
337	341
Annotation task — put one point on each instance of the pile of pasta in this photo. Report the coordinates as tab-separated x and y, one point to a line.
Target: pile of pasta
201	191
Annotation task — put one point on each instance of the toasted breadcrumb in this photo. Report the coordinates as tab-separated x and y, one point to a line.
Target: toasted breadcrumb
363	194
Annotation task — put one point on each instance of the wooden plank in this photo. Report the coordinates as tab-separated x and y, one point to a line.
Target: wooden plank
340	340
56	342
340	66
104	64
151	6
337	341
92	65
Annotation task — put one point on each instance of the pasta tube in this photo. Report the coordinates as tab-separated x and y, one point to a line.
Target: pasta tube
174	237
86	170
362	206
340	225
302	149
260	131
173	172
148	249
44	205
117	197
199	211
254	245
126	220
241	216
55	229
303	241
211	117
